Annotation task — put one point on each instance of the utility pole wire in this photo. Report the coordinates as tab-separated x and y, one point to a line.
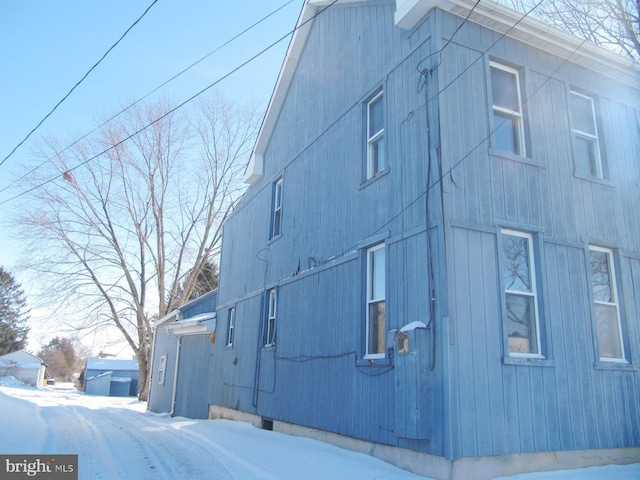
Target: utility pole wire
77	84
150	93
193	97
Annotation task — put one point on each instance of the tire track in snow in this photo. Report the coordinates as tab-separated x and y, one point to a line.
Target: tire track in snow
110	443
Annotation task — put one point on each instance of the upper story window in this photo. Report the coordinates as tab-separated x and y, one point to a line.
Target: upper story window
606	306
231	326
584	131
276	222
521	298
376	151
508	121
376	305
270	337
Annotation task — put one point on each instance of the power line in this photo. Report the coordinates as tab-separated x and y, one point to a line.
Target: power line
148	94
354	246
77	84
193	97
439	52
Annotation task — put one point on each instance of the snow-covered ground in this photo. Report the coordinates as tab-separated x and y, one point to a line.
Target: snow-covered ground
115	438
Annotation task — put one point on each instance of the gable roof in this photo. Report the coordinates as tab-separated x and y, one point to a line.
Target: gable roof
21	356
409	14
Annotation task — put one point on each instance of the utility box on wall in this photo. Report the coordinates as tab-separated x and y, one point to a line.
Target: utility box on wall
412	382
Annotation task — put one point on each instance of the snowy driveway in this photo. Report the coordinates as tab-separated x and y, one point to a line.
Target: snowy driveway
115	439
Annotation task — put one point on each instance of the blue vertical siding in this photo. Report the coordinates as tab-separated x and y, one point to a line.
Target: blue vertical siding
567	404
479	403
192	392
161	395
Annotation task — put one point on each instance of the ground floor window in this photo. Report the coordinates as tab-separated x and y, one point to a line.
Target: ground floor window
376	305
606	307
520	293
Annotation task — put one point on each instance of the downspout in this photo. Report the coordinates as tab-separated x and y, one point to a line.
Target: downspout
153	349
175	377
256	380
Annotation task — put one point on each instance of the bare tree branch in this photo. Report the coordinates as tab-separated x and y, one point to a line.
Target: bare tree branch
129	236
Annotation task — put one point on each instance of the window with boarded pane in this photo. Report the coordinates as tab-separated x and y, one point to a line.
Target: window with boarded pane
508	124
521	299
376	305
584	130
376	155
276	226
605	299
231	326
270	338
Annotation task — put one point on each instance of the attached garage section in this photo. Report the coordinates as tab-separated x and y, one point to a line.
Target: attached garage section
193	374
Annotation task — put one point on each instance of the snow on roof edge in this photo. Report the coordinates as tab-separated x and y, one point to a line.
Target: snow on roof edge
494	15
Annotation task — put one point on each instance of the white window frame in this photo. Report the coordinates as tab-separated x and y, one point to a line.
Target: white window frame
599	173
614	293
162	368
272	313
276	221
373	138
533	293
513	114
231	326
370	299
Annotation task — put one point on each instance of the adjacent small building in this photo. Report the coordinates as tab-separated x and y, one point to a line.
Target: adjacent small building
181	357
24	366
111	377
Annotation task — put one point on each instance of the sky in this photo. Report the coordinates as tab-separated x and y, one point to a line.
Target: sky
46	47
128	442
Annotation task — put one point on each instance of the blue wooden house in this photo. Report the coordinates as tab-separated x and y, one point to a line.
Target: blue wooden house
111	377
180	359
438	256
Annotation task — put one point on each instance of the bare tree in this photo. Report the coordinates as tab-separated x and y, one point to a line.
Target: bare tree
122	238
611	23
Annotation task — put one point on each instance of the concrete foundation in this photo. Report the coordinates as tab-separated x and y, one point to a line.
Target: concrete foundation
466	468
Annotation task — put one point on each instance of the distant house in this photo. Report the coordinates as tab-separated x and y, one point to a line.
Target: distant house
23	366
181	359
111	377
438	255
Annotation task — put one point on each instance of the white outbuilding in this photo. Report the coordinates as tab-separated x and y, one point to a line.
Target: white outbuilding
23	366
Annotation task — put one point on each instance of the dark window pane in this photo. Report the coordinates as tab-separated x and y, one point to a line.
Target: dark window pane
377	327
505	134
377	266
504	89
276	223
376	117
377	156
608	333
582	115
521	324
600	277
516	263
585	155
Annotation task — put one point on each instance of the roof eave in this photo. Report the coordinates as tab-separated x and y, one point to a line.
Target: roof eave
409	14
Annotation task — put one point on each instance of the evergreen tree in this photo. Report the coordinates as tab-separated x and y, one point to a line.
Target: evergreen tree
201	281
13	314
